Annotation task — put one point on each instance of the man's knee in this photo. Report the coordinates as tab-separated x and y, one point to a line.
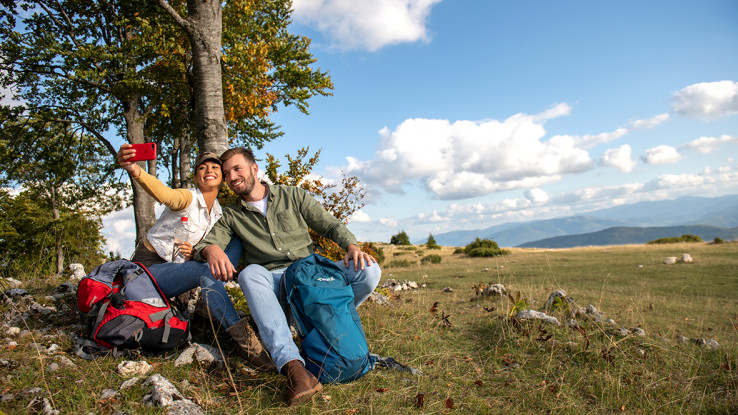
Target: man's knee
373	275
254	274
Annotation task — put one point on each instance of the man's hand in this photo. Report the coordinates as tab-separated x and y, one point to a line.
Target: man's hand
353	253
220	265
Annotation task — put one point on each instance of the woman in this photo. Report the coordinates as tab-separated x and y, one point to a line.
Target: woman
157	250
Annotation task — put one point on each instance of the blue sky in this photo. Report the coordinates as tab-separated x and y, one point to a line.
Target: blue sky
466	114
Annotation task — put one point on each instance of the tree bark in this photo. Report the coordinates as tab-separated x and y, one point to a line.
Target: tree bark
56	215
204	28
143	204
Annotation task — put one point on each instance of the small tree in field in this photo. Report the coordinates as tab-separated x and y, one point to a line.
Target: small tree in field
431	242
484	247
400	239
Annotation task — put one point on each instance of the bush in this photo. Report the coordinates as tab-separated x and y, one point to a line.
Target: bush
433	259
400	263
718	240
431	243
373	250
400	239
674	240
484	248
458	251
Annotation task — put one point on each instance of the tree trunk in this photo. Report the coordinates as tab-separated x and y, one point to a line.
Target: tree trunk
56	215
143	204
185	163
204	28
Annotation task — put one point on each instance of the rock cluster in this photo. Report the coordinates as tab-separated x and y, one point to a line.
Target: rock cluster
685	259
396	286
490	289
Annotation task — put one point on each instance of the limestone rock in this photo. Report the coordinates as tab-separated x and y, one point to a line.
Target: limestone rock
638	332
378	298
131	368
164	393
537	315
686	258
108	394
495	289
127	384
670	260
12	282
16	292
448	290
78	272
203	353
552	298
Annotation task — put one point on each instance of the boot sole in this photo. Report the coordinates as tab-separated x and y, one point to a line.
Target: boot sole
302	397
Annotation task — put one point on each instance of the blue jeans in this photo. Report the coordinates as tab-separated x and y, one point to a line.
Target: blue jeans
174	279
261	288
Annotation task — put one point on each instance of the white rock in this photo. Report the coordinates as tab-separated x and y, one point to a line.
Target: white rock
448	290
184	407
397	287
687	258
378	298
13	283
78	272
162	393
670	260
65	361
53	367
203	353
622	332
638	332
130	383
53	348
131	368
412	284
495	289
552	298
12	344
536	315
682	339
108	394
13	331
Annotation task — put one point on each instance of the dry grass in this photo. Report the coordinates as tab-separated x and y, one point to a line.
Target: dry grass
483	362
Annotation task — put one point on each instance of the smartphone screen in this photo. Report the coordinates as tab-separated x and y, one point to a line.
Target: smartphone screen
144	151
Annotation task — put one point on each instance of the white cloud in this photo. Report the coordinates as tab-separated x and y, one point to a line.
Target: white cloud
359	217
536	195
618	158
388	221
662	154
589	141
120	232
707	100
366	24
706	145
471	158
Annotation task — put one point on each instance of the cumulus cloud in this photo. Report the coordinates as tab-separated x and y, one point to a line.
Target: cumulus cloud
706	145
367	24
536	195
388	221
618	158
662	154
707	100
589	141
471	158
359	217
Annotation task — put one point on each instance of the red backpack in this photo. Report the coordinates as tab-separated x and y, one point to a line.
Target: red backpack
127	310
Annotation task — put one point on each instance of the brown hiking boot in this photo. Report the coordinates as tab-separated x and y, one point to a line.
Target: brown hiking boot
249	345
301	384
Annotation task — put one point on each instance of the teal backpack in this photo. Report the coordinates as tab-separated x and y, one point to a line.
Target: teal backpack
322	302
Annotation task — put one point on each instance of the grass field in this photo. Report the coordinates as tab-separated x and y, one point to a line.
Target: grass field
477	360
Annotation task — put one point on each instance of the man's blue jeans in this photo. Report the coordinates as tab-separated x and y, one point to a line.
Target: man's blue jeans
174	279
261	289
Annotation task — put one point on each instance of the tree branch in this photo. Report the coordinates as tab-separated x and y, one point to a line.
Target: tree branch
183	23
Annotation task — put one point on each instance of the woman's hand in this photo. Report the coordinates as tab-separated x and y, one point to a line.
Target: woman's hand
125	153
185	249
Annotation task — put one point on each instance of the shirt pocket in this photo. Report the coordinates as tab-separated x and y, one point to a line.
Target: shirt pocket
288	221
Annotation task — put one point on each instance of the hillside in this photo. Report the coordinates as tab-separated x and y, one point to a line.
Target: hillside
622	235
718	212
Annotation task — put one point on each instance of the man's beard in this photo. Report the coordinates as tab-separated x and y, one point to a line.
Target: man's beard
248	186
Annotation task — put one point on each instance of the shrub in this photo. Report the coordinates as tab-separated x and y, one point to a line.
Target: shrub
674	240
432	258
400	263
431	243
400	239
718	240
458	251
484	248
373	250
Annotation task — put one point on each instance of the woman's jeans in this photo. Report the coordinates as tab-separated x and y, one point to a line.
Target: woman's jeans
177	278
261	288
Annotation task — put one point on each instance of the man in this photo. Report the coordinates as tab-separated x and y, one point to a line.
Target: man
272	222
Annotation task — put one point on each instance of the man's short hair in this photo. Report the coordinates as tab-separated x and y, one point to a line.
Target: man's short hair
245	152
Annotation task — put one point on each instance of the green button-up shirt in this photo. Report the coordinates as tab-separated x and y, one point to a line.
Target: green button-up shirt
280	238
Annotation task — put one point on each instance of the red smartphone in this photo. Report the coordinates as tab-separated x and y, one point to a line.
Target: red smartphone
144	151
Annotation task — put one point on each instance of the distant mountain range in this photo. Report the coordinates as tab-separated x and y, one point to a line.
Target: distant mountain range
718	216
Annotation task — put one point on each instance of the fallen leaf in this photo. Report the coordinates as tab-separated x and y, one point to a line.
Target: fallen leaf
325	398
553	388
478	382
468	359
434	308
450	403
382	390
490	309
351	411
419	400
